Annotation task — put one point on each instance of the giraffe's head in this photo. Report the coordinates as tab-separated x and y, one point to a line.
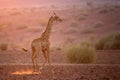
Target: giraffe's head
56	18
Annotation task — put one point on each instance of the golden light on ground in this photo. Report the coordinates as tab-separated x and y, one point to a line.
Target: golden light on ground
24	72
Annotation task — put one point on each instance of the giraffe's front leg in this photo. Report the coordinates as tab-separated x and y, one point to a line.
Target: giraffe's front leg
45	58
48	59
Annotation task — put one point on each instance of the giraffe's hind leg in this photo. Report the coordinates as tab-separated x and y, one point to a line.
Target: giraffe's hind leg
34	56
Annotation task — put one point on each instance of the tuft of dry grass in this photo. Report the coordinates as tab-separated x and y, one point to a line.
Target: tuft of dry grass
58	48
3	46
74	24
80	54
92	28
81	18
111	41
98	24
118	23
87	30
103	11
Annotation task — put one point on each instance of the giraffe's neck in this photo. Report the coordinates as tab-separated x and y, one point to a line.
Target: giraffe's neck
46	33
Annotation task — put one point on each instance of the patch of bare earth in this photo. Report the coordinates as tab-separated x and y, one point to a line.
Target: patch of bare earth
17	65
56	56
62	72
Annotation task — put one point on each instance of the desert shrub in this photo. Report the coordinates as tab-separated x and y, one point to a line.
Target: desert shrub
118	23
80	54
98	24
3	46
85	44
82	17
103	11
111	41
83	13
74	24
90	4
117	6
87	31
58	48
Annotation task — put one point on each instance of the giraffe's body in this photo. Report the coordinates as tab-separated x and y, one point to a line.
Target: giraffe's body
42	44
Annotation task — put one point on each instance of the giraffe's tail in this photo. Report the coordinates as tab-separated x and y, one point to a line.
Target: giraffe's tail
25	50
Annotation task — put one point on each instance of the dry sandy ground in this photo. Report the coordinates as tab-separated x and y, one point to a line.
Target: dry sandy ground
57	56
18	27
62	72
16	65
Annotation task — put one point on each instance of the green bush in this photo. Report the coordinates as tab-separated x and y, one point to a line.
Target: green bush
80	54
111	41
3	46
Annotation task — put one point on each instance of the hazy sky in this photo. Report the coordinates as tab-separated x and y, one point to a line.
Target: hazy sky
12	3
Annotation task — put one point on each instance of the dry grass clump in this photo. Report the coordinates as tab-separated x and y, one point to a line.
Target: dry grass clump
74	24
111	41
90	4
117	6
92	28
54	48
103	11
87	30
3	46
81	17
98	24
118	23
80	54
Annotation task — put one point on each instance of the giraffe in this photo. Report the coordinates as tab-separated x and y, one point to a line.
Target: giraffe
42	44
